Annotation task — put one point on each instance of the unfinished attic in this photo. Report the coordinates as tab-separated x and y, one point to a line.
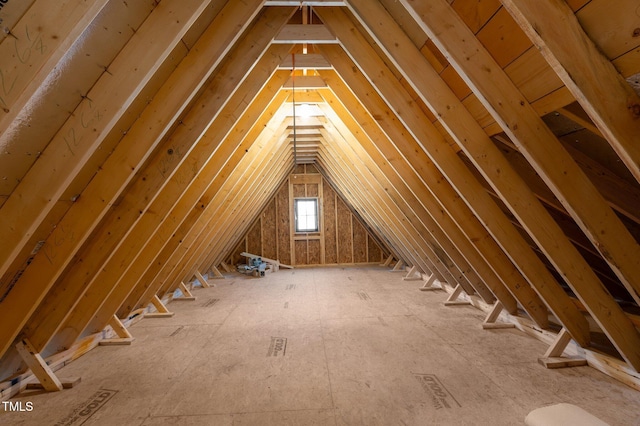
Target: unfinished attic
320	212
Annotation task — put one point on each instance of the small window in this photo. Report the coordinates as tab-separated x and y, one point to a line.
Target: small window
306	214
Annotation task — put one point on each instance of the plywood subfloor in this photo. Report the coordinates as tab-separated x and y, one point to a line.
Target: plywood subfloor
326	346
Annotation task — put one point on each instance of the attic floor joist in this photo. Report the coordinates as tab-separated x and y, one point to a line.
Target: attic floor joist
147	174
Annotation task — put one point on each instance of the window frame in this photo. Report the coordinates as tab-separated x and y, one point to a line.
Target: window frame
295	215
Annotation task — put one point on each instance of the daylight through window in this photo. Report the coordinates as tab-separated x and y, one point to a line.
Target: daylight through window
306	214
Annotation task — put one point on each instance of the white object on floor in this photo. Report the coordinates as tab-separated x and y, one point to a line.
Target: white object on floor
562	415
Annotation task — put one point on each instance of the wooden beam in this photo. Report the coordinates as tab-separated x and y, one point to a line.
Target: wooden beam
67	383
398	267
305	82
533	138
168	257
266	259
445	194
119	328
222	190
490	323
87	127
357	50
428	284
230	214
124	337
12	15
245	207
225	82
38	366
492	217
240	210
295	34
124	272
452	300
47	180
371	193
501	176
40	39
376	231
553	356
300	3
413	274
620	194
216	273
414	190
310	61
187	295
226	212
203	281
410	188
361	191
362	187
161	309
602	92
265	140
112	230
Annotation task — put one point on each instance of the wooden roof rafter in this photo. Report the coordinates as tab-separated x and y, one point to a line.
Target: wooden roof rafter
498	172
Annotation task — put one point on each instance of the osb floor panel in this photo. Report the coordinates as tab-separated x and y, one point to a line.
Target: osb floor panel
330	346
